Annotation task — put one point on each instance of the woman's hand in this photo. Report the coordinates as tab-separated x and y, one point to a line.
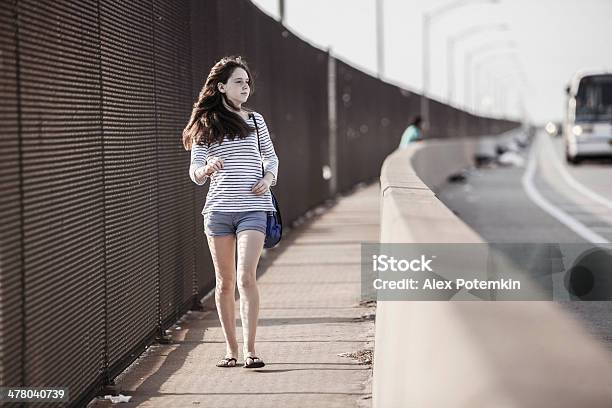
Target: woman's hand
262	185
214	164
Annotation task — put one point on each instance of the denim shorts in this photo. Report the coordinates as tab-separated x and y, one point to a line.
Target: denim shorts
217	223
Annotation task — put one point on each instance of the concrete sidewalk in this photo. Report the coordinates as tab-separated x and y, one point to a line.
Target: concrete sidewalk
310	313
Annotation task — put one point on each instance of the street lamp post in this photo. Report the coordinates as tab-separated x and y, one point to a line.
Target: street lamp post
428	18
281	10
497	82
450	51
477	84
520	80
468	62
497	58
380	38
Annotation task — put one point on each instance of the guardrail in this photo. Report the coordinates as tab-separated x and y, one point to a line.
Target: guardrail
463	353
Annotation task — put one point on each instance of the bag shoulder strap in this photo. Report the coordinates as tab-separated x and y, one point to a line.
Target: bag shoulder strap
252	115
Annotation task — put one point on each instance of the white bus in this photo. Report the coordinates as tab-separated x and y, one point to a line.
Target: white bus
588	121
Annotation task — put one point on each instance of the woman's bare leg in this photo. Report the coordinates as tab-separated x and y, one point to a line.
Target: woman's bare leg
222	250
250	245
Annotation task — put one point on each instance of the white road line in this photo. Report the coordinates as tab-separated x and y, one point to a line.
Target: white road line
563	217
575	184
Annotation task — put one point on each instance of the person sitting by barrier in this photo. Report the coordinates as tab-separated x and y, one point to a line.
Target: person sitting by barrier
412	133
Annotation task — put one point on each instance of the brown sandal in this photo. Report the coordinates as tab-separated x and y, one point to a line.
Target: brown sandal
227	362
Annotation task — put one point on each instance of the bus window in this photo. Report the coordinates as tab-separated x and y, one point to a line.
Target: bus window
594	99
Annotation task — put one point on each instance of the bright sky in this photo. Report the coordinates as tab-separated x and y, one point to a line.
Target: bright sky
553	39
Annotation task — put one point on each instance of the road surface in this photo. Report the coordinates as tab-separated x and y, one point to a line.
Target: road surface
546	201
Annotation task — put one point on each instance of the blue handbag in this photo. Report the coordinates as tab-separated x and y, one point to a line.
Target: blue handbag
274	224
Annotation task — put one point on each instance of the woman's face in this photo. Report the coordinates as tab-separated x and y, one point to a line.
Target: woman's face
237	87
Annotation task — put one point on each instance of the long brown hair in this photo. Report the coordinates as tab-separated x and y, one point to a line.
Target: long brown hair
210	120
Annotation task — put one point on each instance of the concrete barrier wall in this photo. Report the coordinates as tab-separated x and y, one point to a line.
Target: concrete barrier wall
409	207
462	353
436	159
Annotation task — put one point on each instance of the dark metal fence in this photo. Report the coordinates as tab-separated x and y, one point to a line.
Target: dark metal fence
102	246
372	116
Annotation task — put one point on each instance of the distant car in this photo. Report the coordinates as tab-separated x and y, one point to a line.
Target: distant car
553	129
587	131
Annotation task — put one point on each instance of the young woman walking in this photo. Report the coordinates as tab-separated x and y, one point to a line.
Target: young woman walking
223	138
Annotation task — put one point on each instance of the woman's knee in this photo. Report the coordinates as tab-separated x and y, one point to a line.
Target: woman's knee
246	282
225	285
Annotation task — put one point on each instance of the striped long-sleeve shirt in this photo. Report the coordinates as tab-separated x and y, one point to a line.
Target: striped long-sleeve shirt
230	187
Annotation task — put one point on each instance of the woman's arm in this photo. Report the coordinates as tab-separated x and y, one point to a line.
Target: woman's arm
198	162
